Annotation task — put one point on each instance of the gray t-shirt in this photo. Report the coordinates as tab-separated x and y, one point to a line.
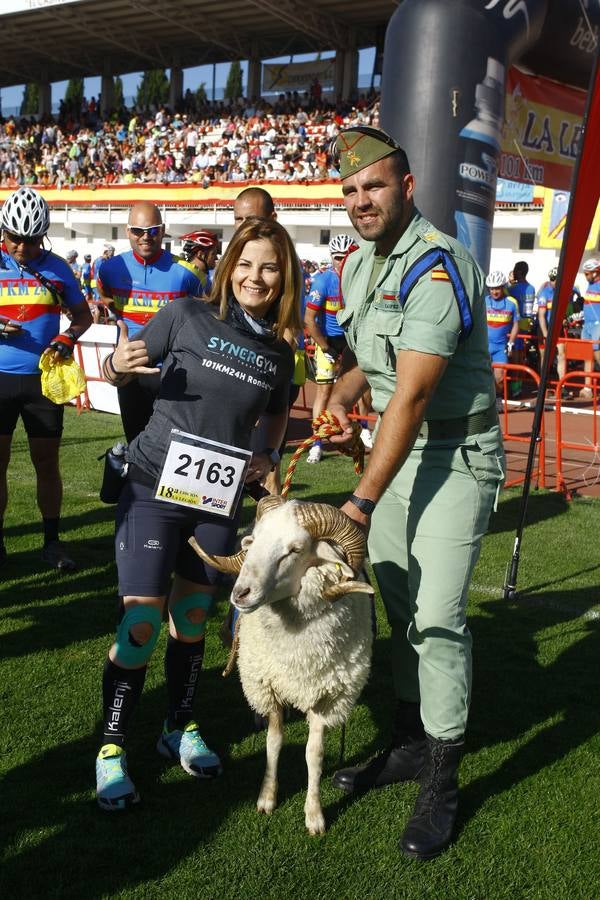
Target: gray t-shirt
216	379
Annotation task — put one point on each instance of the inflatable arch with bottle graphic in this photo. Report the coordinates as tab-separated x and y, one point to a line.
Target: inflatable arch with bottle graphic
445	66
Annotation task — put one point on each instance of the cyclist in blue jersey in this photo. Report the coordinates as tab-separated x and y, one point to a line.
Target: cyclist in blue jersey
139	282
71	258
524	293
545	298
86	278
502	322
591	318
324	302
200	249
34	284
101	305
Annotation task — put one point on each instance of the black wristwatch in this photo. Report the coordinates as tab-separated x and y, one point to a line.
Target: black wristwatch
273	456
365	506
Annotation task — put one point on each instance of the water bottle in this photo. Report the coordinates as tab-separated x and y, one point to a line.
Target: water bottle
479	148
115	470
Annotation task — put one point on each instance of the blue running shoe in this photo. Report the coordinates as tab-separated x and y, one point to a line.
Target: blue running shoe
114	788
190	751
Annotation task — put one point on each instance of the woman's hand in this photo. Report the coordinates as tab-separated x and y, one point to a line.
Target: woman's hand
131	357
260	466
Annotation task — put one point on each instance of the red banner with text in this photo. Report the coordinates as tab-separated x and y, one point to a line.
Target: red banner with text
542	129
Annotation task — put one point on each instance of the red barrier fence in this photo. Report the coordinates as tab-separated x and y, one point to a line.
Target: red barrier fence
562	443
515	416
515	372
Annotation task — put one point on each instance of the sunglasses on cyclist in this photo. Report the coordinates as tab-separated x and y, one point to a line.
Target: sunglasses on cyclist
22	238
152	231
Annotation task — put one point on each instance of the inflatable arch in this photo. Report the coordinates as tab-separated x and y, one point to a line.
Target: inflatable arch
445	66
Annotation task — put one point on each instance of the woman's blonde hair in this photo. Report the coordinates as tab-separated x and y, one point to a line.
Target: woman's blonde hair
287	305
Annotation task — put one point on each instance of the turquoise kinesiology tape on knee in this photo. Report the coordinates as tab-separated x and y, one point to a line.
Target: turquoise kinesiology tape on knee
180	618
128	654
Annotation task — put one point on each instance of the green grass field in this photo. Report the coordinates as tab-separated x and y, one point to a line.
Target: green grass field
529	825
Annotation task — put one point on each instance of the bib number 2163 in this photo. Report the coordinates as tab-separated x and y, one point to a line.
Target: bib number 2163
203	474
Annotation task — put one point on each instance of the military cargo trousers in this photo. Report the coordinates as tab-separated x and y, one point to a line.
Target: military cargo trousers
424	542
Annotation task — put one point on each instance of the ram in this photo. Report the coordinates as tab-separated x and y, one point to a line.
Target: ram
308	640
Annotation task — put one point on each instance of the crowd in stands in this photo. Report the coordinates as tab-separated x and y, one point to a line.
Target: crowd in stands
285	140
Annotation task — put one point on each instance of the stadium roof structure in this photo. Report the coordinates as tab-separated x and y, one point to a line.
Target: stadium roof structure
54	41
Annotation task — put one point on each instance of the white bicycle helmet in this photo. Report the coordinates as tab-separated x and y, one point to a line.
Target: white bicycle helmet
495	279
341	244
26	213
552	274
591	265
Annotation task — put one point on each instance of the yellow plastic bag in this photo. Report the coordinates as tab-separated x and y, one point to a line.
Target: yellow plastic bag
299	368
61	381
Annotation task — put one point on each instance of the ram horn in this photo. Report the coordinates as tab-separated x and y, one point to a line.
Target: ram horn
265	504
335	591
230	564
328	523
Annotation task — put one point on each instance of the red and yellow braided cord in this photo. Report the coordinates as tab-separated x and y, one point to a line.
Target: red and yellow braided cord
324	426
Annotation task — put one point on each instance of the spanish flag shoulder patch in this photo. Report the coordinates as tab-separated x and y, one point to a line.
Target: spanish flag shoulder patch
439	275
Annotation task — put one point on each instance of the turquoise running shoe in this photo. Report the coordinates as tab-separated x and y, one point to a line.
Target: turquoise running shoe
115	790
190	751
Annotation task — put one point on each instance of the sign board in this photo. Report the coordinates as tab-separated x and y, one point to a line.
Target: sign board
282	77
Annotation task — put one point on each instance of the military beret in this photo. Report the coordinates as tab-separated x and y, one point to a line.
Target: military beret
362	146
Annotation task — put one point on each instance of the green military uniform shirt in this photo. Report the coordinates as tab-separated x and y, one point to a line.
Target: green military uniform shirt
377	327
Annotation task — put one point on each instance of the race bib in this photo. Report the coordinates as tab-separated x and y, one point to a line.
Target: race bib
203	474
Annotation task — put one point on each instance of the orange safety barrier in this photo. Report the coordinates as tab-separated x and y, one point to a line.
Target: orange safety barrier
561	444
512	369
577	349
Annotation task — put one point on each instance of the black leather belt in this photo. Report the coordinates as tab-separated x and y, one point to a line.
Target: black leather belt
464	426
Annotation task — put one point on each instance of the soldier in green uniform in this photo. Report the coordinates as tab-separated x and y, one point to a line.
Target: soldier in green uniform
415	317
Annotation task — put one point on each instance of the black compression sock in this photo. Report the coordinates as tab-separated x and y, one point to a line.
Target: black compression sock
183	663
121	690
50	530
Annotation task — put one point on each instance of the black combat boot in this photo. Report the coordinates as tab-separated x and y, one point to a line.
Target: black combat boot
403	760
430	829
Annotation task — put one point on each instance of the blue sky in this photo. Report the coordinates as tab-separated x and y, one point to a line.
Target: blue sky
11	97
